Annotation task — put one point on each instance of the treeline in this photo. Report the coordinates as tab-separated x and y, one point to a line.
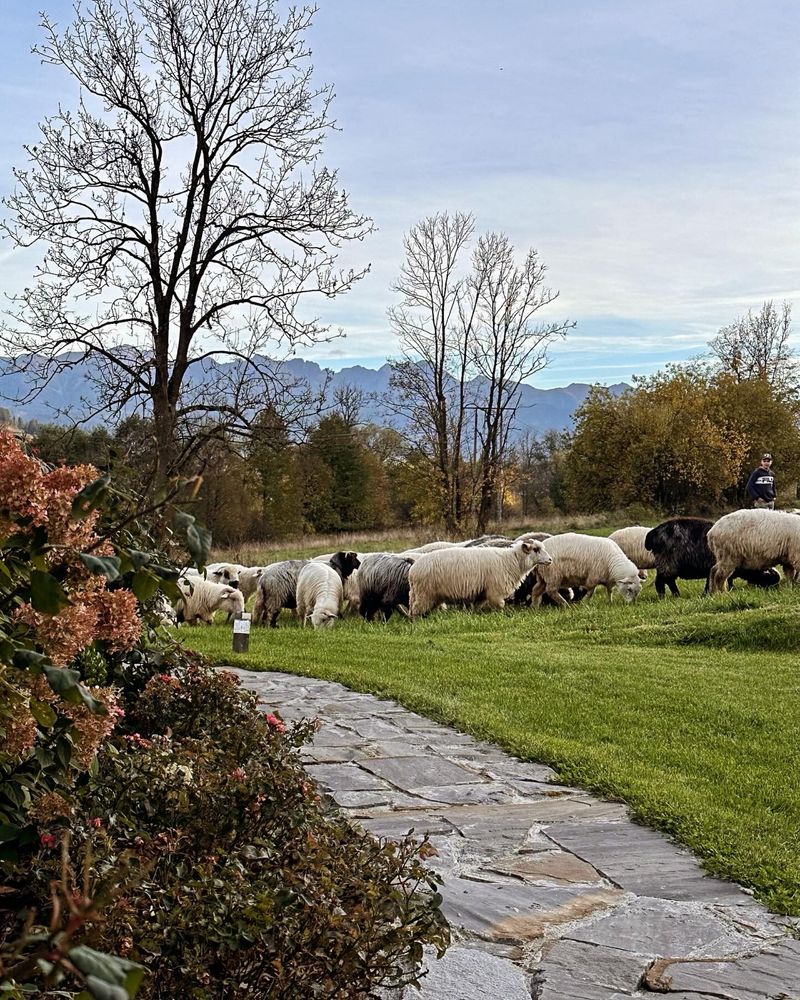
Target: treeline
682	441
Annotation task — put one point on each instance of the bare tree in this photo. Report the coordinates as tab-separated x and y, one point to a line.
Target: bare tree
509	347
468	340
434	324
184	213
757	347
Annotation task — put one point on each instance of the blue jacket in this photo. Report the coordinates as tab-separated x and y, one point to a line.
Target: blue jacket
761	484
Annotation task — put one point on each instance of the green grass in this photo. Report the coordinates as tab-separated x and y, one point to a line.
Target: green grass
687	709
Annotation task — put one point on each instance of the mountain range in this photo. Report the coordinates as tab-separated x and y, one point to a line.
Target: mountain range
540	409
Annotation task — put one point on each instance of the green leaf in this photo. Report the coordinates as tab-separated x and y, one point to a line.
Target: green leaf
108	977
42	712
47	594
144	585
107	566
198	538
29	659
101	990
66	683
90	497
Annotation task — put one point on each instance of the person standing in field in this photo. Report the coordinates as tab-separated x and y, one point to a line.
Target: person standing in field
761	484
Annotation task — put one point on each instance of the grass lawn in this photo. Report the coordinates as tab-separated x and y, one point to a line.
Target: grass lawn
686	709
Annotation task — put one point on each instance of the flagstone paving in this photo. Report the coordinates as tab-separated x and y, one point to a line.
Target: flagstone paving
551	893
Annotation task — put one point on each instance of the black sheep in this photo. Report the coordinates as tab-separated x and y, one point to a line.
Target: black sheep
383	585
680	549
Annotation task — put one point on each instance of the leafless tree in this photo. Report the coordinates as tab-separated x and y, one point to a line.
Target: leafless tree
468	340
757	347
509	347
434	324
184	212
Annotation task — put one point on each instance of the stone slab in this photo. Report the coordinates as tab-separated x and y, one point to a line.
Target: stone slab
478	794
773	972
515	912
663	928
395	827
410	773
470	974
558	867
643	861
344	778
571	970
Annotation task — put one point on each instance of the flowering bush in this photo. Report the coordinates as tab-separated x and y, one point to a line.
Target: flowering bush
148	808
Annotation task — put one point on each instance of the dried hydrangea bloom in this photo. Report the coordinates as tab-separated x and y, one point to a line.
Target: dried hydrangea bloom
118	622
89	731
49	806
20	733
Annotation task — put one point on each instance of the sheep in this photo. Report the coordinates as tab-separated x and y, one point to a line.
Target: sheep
497	543
680	549
224	573
200	599
383	584
754	540
631	541
277	587
534	536
483	540
477	575
436	546
319	594
587	562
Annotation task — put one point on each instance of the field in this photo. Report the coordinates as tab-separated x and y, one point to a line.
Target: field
688	710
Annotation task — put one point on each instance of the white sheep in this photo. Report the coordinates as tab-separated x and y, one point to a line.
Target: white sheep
754	540
200	599
319	594
475	575
223	572
631	541
586	562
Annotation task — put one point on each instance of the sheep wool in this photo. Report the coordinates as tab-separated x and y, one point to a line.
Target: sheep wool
383	584
631	541
277	589
587	562
475	575
319	594
754	540
200	599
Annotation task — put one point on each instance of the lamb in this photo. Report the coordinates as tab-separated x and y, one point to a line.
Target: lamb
477	575
383	584
200	599
631	541
277	588
754	540
586	562
680	549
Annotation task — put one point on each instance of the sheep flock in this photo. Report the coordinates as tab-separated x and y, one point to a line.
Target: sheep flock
494	570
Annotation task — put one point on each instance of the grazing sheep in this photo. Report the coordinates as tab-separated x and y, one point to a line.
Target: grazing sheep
383	584
680	549
200	599
277	588
319	594
754	540
344	563
478	575
631	541
587	562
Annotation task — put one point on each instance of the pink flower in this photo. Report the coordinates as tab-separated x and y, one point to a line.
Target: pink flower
48	840
275	722
238	774
117	712
97	822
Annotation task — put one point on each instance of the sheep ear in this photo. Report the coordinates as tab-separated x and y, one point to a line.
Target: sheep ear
526	547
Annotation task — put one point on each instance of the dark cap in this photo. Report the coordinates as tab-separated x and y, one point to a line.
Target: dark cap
766	457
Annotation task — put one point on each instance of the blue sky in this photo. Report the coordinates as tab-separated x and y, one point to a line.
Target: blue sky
650	151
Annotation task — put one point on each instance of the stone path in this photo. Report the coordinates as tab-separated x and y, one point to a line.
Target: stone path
551	893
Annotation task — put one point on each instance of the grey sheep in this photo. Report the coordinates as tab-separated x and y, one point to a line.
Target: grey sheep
277	588
383	584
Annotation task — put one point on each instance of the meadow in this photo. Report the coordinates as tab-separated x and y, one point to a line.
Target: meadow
686	709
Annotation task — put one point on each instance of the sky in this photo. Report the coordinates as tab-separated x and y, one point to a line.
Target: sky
649	151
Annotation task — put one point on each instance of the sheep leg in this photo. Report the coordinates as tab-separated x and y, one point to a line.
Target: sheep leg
720	572
538	592
789	573
557	599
